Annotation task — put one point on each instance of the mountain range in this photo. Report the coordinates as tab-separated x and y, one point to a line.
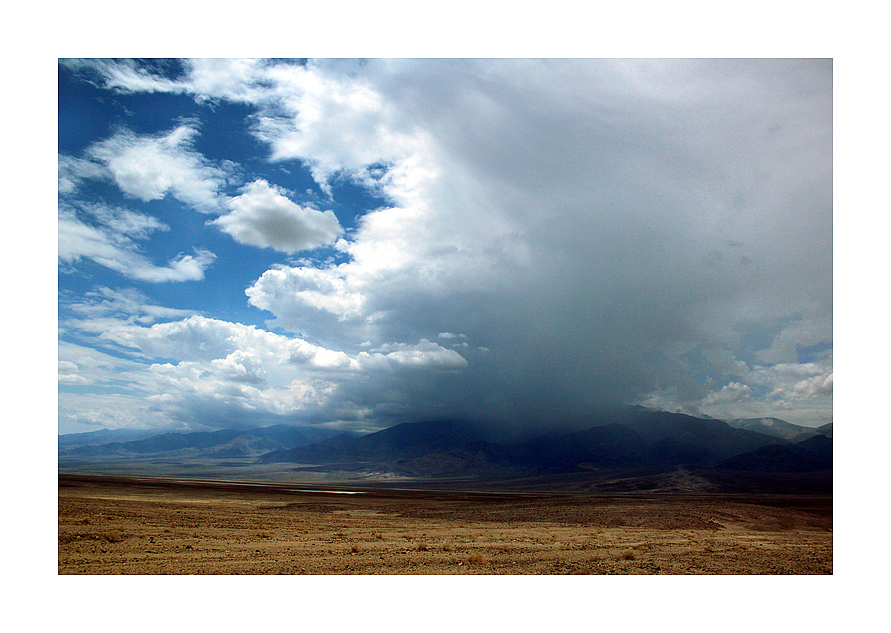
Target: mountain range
781	428
634	440
228	443
637	438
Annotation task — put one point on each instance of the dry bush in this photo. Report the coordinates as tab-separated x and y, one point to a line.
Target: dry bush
628	555
423	547
113	536
478	558
583	571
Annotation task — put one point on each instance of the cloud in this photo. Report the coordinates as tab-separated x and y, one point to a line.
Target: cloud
151	167
813	387
263	216
796	381
206	79
68	374
110	240
115	305
147	168
299	296
73	170
733	392
578	207
303	353
84	365
219	372
113	411
333	120
124	74
424	354
611	231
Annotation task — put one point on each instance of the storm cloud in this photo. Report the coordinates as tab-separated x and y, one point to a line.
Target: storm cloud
549	239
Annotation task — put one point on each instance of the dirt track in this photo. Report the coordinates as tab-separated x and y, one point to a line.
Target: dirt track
124	526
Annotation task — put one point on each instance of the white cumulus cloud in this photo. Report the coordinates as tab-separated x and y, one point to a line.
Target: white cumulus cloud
264	216
151	167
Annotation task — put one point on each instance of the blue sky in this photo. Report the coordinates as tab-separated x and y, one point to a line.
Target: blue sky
359	243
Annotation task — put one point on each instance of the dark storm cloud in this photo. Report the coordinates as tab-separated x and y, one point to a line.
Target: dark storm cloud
592	233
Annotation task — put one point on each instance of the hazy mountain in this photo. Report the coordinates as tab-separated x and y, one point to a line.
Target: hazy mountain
102	436
213	444
778	428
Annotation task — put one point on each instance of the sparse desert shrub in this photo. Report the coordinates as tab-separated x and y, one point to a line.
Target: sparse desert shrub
628	555
478	558
448	547
355	549
113	536
423	547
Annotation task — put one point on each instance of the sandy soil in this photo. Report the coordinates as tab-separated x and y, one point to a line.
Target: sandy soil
120	526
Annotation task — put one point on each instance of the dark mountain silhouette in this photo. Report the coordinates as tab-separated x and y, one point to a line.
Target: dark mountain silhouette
639	438
819	444
810	455
631	449
606	446
678	438
403	441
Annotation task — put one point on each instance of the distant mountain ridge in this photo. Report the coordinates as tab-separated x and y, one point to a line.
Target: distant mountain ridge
637	438
211	444
633	440
103	436
780	428
810	455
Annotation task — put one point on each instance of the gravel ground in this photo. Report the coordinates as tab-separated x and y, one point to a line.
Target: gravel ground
119	527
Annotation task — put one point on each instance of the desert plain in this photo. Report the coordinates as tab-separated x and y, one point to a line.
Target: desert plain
143	525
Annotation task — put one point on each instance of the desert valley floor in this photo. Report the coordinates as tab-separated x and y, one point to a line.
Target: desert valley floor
135	525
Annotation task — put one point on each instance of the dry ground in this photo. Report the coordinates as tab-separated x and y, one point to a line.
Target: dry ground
129	526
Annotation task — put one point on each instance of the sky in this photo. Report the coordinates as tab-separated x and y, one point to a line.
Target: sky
524	242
